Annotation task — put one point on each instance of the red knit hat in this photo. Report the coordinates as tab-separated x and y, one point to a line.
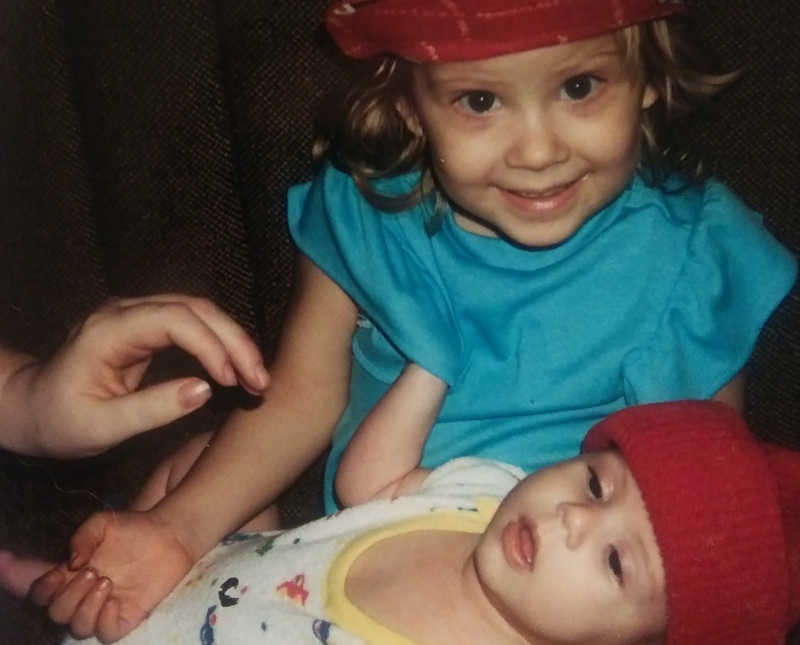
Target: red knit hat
725	509
459	30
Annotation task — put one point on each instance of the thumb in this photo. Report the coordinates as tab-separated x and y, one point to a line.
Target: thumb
154	406
85	541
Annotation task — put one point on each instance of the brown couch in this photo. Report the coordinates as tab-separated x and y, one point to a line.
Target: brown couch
146	146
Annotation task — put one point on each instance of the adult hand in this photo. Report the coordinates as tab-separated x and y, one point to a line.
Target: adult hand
86	398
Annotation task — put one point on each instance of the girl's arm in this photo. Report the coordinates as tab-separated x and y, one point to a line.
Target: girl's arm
251	461
382	459
260	452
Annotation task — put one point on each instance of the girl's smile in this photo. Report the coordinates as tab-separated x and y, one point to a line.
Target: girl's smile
530	145
544	203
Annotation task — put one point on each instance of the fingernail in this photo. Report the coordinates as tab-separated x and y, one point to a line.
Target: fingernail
261	377
194	393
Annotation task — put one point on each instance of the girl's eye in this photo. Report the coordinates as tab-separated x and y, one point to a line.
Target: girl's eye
577	88
595	487
479	102
614	563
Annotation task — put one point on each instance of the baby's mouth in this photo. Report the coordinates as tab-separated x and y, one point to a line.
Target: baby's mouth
520	543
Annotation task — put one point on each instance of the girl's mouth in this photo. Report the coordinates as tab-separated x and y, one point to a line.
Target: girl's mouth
542	202
520	543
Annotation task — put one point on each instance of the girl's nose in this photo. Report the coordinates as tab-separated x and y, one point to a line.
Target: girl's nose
536	144
578	520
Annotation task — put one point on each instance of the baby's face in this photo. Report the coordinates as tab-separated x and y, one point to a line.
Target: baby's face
570	556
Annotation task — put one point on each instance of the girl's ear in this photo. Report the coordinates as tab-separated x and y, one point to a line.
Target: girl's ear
649	97
409	116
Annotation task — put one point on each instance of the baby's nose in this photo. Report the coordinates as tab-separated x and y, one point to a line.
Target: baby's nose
578	519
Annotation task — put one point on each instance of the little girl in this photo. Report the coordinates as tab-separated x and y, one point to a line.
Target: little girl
542	262
548	266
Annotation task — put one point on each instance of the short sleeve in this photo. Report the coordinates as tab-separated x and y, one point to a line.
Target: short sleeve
734	275
473	478
384	262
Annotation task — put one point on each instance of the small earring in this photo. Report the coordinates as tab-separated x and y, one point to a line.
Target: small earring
441	160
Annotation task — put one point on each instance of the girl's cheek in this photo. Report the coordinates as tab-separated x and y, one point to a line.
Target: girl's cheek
609	144
469	149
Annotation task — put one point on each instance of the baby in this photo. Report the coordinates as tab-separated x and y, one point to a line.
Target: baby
674	525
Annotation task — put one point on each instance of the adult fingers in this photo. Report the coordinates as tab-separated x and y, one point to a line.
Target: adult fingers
154	406
242	351
197	326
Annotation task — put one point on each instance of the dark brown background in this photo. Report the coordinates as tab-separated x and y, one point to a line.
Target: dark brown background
146	145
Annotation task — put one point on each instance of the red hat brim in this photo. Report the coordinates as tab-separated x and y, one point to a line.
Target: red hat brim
461	30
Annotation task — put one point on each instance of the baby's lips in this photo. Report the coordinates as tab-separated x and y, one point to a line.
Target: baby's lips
519	540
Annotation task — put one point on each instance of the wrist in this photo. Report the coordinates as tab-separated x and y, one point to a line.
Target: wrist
188	527
21	432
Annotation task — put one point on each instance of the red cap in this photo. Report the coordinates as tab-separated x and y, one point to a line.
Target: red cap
725	509
459	30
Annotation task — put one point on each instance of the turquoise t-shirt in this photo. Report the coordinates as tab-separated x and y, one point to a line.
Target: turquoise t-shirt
659	296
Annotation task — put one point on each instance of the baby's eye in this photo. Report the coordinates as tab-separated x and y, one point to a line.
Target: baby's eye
479	102
595	487
580	87
614	563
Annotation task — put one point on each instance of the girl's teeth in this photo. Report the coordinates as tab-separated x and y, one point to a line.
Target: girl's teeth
547	193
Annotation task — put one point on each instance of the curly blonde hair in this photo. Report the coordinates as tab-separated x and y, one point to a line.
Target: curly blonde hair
368	137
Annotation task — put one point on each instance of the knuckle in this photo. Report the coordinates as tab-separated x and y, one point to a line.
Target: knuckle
57	616
80	630
114	302
91	322
178	309
83	327
202	305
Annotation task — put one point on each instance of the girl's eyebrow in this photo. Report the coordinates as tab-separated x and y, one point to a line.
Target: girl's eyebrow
461	76
584	60
606	52
445	86
478	74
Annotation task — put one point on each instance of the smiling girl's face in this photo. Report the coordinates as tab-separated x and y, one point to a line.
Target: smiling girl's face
570	556
530	145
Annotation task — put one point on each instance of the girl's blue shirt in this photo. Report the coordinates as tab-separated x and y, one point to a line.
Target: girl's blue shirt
659	296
